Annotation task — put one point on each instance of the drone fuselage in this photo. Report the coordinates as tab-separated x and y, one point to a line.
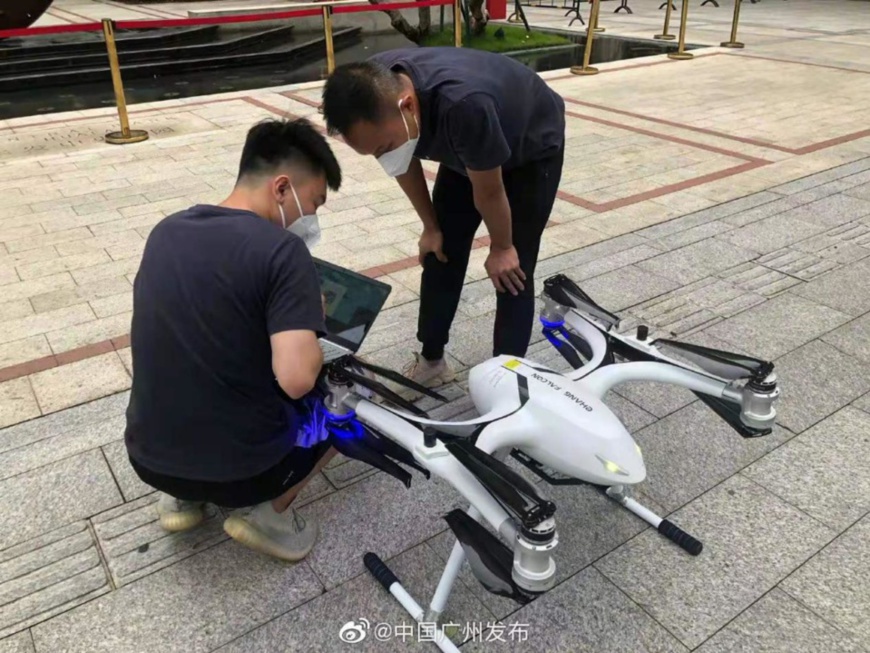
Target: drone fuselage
559	423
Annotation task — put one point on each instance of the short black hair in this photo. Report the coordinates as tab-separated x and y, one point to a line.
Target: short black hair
357	92
272	143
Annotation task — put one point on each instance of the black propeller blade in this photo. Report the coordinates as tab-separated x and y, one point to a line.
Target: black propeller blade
360	450
397	378
579	343
394	450
383	391
567	293
723	364
490	560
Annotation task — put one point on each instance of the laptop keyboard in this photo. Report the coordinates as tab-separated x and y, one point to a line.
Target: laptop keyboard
332	351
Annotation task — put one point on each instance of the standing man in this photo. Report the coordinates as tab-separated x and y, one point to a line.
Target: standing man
498	132
226	316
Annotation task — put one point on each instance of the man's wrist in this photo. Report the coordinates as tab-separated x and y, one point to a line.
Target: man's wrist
500	247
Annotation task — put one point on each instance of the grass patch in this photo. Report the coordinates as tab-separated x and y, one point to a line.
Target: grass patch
513	38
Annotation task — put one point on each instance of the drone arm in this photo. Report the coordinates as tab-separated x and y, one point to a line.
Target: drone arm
438	460
606	378
592	335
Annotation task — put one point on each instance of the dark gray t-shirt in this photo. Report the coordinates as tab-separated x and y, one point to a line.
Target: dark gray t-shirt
480	110
213	285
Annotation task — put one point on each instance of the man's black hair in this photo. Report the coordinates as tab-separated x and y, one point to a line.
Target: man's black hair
273	143
357	92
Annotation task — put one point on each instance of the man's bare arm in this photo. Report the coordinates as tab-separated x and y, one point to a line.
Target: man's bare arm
413	183
296	361
490	200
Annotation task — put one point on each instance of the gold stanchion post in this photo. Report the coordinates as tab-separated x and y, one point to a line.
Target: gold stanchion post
681	51
586	69
664	36
126	135
327	35
457	24
733	42
597	29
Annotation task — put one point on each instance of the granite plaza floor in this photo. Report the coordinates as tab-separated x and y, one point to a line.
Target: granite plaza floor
724	200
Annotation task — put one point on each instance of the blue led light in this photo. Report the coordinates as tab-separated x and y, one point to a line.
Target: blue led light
551	325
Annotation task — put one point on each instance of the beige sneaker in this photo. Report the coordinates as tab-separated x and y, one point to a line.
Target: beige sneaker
284	535
177	515
426	373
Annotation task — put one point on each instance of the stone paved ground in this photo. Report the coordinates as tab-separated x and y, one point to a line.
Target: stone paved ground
724	200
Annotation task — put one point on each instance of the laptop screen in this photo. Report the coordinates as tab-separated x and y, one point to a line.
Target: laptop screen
353	301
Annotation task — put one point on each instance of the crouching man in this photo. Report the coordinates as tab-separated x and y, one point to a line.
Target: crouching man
227	311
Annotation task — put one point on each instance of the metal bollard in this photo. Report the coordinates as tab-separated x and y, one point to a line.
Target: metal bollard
681	52
327	34
586	69
733	42
457	24
597	29
126	135
664	36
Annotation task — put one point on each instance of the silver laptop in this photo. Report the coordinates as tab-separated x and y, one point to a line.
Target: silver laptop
353	302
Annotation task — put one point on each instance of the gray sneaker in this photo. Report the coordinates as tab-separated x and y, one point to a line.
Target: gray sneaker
285	535
177	515
430	374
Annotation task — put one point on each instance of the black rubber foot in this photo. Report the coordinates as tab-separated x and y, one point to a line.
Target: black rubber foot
680	537
379	570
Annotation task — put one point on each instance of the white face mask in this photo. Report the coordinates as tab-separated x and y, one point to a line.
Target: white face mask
307	227
396	162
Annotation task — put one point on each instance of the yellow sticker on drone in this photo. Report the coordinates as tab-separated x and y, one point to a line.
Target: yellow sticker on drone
513	364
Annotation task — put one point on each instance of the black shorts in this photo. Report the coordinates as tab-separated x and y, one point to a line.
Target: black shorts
263	487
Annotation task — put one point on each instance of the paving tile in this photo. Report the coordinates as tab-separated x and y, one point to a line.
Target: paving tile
348	473
845	290
696	261
825	471
71	419
760	280
48	575
692	235
315	626
658	399
76	383
27	289
17	402
20	643
861	192
32	325
771	234
24	350
752	540
589	253
767	210
779	624
135	545
834	584
15	309
863	403
817	380
606	263
132	487
692	450
383	515
94	331
97	290
832	211
62	264
126	356
586	613
180	603
778	326
632	416
39	500
62	445
626	287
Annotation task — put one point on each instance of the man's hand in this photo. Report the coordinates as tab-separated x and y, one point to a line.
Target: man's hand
432	241
503	267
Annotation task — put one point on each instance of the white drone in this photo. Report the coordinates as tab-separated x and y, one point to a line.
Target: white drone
555	424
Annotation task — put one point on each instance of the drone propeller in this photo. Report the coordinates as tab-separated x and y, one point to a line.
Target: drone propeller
383	391
393	450
360	450
396	378
723	364
490	560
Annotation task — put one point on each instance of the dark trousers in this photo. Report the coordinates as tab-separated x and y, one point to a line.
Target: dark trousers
531	191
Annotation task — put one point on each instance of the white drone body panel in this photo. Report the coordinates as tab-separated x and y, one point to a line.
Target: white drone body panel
560	423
